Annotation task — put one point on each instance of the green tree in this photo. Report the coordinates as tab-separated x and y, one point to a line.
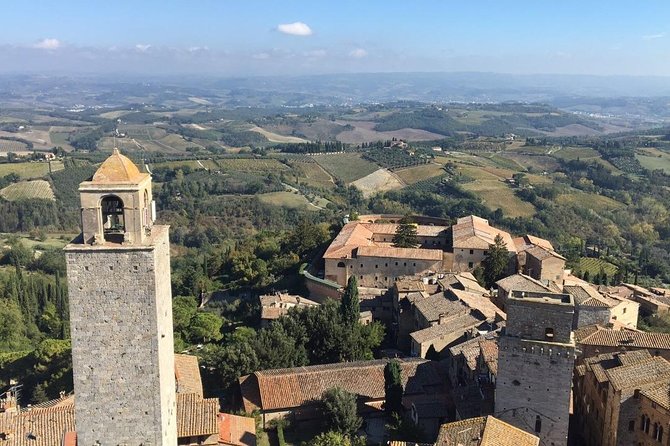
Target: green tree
393	389
496	261
350	307
340	412
12	327
405	234
335	439
205	327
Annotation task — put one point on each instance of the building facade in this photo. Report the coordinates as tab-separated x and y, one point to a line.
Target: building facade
118	274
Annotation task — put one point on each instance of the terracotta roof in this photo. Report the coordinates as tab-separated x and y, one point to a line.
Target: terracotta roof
464	280
587	296
627	338
352	235
47	426
629	370
484	431
37	427
294	387
659	394
400	253
187	374
407	284
236	430
118	169
196	416
432	307
585	331
473	232
469	350
541	253
522	282
524	242
458	324
274	306
478	302
489	352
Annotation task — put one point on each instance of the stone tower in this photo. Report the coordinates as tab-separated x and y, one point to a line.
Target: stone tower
535	362
118	274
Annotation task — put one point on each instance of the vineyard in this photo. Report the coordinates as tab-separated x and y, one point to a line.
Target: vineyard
347	167
593	266
429	185
267	165
395	158
26	190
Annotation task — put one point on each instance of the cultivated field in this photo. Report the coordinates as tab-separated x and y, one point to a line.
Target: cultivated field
312	174
593	201
415	174
28	189
347	167
379	181
653	159
490	186
593	266
287	199
29	170
276	137
267	165
364	132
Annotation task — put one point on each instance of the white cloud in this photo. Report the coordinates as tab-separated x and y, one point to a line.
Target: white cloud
295	29
315	53
261	56
142	47
653	36
358	53
195	49
48	44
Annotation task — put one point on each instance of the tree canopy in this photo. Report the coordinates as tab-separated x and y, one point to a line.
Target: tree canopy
405	235
350	304
393	389
496	261
340	413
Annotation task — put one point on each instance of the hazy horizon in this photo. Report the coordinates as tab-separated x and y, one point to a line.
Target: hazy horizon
258	38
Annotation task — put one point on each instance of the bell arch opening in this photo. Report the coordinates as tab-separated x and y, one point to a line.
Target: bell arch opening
113	221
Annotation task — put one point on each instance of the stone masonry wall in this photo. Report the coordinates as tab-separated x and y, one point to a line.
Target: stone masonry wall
534	380
122	347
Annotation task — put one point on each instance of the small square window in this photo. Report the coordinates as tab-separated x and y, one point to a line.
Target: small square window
470	264
472	251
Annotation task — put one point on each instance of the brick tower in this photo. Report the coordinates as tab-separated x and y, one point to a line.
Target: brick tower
118	273
535	362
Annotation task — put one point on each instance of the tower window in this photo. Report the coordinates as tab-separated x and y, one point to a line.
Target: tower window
113	223
549	334
341	265
538	424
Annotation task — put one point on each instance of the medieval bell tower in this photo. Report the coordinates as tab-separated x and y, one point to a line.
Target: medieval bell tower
118	274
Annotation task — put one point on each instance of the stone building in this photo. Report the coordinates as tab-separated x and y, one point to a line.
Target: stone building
535	363
471	238
295	393
592	307
274	306
617	398
365	249
519	282
118	274
544	265
593	340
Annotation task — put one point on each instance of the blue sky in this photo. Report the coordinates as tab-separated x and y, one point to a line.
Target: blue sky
308	37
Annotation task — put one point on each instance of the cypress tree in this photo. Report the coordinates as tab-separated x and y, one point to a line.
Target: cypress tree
393	388
350	306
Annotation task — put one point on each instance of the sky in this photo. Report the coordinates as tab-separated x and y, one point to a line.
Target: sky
242	38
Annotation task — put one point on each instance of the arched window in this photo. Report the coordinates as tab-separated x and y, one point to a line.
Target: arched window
147	209
646	425
113	223
655	431
659	437
341	265
538	424
549	334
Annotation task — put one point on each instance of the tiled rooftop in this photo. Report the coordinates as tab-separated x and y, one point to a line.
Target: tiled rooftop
483	431
287	388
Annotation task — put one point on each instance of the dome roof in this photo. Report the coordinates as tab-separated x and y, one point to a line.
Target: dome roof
117	169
